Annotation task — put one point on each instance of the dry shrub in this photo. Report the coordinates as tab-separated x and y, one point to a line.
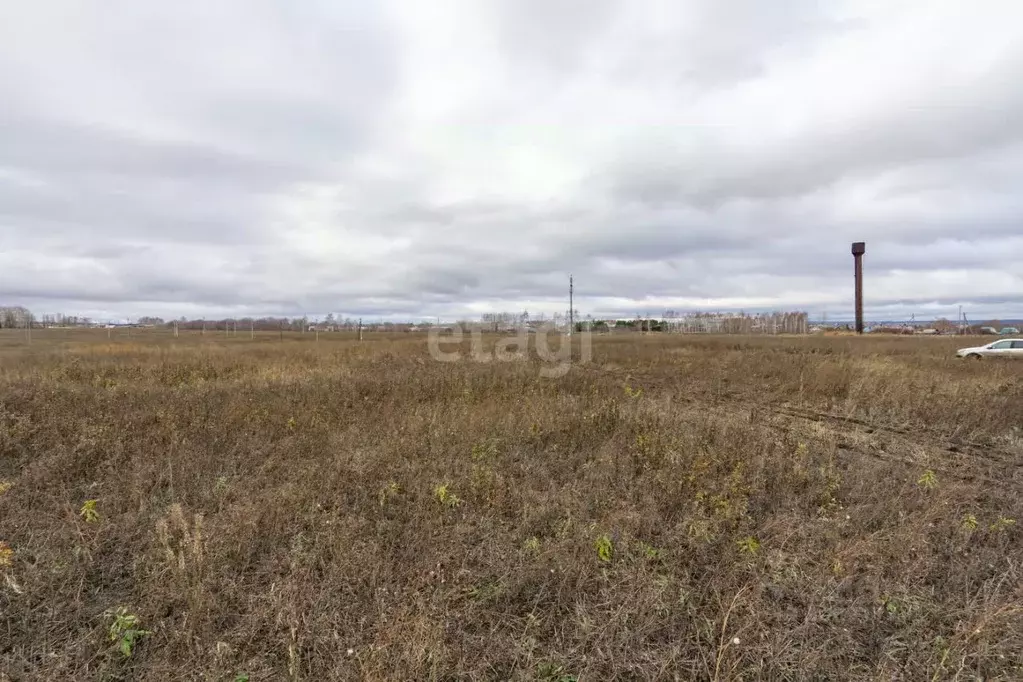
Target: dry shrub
678	508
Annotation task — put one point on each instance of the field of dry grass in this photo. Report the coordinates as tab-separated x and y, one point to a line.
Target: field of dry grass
675	509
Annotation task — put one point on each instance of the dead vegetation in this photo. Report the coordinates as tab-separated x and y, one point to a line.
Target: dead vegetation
679	508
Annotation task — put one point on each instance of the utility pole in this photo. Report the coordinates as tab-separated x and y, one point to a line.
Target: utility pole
360	329
858	249
252	329
571	310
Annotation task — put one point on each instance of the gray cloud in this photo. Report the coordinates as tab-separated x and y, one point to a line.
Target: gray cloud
945	126
395	160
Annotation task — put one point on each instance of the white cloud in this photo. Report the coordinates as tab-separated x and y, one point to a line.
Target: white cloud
405	159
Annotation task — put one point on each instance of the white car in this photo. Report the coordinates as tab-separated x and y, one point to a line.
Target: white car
1003	348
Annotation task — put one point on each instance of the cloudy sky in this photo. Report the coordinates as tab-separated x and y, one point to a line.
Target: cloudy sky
415	159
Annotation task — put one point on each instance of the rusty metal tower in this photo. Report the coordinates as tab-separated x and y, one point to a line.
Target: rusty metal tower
858	249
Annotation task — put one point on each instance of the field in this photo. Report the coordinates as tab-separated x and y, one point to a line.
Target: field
712	508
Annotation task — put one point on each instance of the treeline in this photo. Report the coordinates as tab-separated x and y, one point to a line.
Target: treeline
303	323
252	323
15	316
638	324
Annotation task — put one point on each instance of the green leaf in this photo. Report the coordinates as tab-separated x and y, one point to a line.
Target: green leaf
604	547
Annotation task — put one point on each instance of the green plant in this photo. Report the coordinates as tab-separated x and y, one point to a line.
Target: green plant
532	544
552	672
969	522
241	677
487	590
5	485
605	548
388	492
124	631
943	648
484	450
928	481
89	512
890	604
748	545
649	551
445	496
633	392
1002	523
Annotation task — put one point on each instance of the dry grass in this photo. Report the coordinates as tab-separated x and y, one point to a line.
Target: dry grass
679	508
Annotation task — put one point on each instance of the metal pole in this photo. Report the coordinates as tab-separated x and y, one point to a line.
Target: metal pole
571	310
858	249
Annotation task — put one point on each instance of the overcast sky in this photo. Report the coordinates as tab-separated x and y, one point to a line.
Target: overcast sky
452	157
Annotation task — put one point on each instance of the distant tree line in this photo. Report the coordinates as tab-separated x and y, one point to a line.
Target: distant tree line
62	320
637	324
20	317
15	316
294	324
510	321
